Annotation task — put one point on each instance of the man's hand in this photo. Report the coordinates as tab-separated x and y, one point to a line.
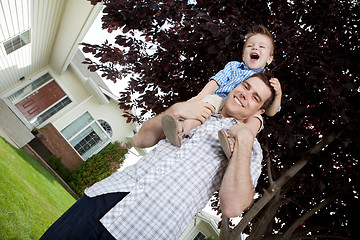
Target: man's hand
151	131
191	110
241	133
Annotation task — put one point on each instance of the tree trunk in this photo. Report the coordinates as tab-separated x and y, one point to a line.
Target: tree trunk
276	187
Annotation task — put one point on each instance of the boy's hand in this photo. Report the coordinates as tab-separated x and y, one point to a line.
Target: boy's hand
274	82
275	106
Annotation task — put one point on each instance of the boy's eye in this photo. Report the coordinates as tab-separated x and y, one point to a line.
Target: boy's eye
257	99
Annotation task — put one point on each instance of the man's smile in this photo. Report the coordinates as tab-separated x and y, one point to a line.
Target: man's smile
237	100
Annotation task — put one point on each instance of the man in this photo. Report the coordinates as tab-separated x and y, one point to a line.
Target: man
158	196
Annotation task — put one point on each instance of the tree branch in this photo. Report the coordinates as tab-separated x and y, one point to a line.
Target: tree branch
270	192
310	213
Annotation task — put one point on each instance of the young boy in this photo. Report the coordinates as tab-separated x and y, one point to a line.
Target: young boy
258	52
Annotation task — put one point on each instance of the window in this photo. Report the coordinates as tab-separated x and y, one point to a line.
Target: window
86	135
17	42
25	91
199	236
50	112
106	127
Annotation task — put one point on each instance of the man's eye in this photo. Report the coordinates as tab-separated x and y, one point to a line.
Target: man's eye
257	99
262	46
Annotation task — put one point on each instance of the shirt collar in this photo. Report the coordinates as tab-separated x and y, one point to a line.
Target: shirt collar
244	67
221	117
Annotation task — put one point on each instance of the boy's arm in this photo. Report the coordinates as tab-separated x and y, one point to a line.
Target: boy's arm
236	190
275	106
151	131
209	88
253	124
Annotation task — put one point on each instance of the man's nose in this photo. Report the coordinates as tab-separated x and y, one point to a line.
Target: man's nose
244	95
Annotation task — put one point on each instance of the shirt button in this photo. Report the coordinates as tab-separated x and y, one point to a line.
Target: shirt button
178	155
160	170
141	186
193	141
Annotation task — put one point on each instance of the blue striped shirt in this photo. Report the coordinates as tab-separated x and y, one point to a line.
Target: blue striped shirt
232	75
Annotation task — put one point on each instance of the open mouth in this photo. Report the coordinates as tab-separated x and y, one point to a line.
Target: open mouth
254	56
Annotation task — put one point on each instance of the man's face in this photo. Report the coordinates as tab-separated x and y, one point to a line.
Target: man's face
246	99
257	52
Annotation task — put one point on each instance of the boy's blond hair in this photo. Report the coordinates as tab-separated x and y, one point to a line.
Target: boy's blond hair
260	29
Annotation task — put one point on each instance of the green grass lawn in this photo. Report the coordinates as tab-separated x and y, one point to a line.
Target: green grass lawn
30	197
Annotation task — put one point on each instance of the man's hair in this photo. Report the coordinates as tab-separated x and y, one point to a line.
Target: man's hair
265	77
260	29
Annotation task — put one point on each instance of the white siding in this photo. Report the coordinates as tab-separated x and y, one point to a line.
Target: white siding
42	17
84	102
12	129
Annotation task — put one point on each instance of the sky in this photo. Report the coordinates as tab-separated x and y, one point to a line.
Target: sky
96	35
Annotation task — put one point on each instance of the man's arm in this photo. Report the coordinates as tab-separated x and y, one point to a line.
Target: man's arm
236	190
151	131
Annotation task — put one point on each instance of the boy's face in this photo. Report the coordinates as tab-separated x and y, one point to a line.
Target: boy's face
246	99
257	52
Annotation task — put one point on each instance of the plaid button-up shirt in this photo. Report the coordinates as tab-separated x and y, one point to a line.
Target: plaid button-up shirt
232	75
170	184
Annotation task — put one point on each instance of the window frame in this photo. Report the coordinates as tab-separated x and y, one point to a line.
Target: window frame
17	42
72	137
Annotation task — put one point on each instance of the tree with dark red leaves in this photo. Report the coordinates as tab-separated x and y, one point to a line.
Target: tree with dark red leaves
309	188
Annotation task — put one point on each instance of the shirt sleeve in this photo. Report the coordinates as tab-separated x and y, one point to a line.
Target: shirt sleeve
223	76
255	162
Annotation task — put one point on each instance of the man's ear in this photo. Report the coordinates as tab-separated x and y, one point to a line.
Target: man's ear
260	111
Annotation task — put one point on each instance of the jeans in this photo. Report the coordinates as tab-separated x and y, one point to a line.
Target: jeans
81	220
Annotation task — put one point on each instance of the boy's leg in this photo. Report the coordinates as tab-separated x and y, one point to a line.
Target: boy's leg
215	100
190	124
81	221
228	143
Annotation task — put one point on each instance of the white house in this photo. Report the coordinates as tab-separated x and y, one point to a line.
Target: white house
49	101
203	226
43	84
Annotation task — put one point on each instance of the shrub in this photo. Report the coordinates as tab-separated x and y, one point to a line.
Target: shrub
55	163
97	167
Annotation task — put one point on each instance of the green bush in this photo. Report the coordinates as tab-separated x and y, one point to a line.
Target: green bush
55	163
97	167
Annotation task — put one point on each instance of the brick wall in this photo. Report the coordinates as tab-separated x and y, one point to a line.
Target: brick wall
58	145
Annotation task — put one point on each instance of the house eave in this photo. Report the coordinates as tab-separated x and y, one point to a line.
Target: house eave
77	15
90	86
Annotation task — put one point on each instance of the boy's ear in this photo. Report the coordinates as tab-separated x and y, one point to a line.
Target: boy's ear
270	59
